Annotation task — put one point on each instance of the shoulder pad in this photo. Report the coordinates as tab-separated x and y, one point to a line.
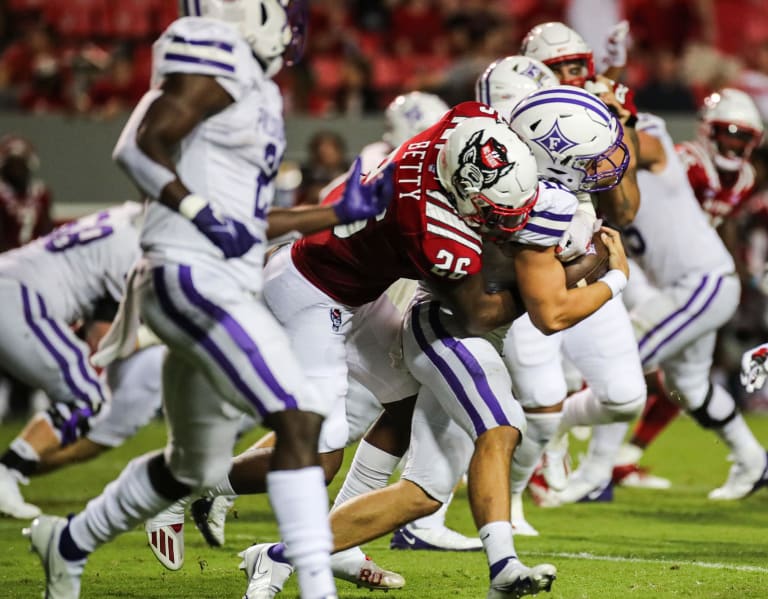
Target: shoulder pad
550	216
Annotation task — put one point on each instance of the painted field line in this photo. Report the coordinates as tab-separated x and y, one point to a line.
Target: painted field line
642	560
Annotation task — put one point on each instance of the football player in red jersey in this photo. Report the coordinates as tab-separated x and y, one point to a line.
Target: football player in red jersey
466	180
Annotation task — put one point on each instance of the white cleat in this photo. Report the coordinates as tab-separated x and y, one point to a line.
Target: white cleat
637	477
11	501
433	539
266	576
520	525
210	516
556	463
583	489
517	580
743	480
62	577
165	535
354	566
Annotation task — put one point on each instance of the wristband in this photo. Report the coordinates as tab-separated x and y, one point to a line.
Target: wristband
191	205
616	281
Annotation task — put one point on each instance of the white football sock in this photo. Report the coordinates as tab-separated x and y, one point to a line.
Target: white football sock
435	519
370	470
740	439
540	430
222	488
300	503
125	502
603	450
497	541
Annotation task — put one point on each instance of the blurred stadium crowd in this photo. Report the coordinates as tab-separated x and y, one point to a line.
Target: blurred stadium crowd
93	56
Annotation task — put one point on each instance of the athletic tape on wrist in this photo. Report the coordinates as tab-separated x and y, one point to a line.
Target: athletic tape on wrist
616	281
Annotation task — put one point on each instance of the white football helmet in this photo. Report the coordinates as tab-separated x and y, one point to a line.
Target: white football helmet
731	127
575	138
410	114
507	81
555	42
490	173
275	29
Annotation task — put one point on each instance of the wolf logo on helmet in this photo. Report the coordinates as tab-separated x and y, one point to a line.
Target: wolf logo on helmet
480	165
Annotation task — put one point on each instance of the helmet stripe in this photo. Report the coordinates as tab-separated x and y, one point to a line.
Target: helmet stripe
539	100
487	83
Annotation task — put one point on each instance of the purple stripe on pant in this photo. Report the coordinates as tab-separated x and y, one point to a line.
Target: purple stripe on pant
445	370
644	339
473	367
201	337
674	333
239	335
88	374
60	360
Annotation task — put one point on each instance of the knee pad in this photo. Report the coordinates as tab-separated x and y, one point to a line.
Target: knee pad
70	422
718	409
624	412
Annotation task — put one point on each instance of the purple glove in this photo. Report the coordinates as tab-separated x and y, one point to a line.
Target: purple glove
361	201
230	236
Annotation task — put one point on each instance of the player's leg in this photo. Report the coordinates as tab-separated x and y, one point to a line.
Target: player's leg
714	409
604	350
472	384
43	353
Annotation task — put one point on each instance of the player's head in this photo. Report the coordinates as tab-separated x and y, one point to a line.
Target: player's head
562	50
731	128
410	114
507	81
18	160
575	138
275	29
490	173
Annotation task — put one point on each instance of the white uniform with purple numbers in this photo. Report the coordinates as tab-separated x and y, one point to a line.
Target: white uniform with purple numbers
602	347
224	343
687	288
466	387
55	282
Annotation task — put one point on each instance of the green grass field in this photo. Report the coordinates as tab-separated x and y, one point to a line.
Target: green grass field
646	543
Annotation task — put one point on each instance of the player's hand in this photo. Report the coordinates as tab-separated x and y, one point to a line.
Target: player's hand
616	45
229	235
577	237
364	199
753	368
617	258
602	87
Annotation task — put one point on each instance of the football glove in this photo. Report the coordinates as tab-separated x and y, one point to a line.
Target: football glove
229	235
364	199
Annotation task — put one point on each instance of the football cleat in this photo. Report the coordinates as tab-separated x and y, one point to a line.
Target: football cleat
520	525
638	477
266	574
62	577
165	534
210	515
11	501
433	539
354	566
517	580
581	489
743	480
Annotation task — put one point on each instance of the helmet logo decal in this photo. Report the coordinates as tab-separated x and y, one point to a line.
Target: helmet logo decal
413	114
480	164
533	72
553	141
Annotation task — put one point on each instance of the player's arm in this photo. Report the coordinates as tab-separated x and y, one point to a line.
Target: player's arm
146	148
356	199
478	311
550	304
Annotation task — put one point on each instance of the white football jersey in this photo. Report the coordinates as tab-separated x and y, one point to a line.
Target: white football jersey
79	263
231	158
670	236
550	216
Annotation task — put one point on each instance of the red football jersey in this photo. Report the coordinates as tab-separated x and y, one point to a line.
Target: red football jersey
420	235
717	199
23	218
